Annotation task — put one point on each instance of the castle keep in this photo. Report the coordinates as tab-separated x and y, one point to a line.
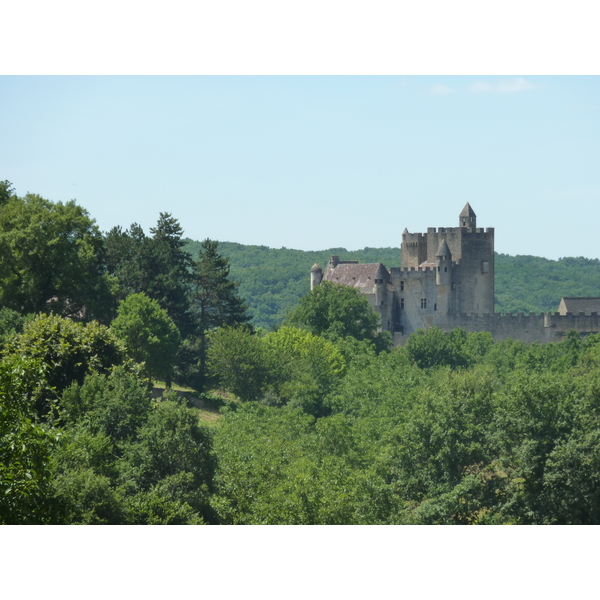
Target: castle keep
446	279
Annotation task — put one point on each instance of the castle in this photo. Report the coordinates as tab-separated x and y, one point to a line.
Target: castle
446	279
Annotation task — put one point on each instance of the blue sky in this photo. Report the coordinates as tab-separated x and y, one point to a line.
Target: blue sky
315	162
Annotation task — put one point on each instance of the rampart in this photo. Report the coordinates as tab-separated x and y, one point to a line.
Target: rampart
542	328
456	230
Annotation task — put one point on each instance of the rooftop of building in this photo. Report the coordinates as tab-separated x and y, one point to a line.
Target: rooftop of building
356	275
577	305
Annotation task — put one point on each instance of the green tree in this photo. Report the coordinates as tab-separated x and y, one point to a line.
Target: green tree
115	405
51	259
149	334
7	191
25	445
308	367
172	455
214	303
11	323
157	266
333	310
68	351
433	347
240	362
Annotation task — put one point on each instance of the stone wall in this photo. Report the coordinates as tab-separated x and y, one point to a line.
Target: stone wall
542	328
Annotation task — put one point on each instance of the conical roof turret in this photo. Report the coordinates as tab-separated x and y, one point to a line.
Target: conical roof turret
467	217
443	250
467	211
316	267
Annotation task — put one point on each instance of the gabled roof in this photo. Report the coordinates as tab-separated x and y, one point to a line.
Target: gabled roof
577	305
467	211
356	275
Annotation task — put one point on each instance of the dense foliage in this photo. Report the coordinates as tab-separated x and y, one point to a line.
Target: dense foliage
51	259
321	422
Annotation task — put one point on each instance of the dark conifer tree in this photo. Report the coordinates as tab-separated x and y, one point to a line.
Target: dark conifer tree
157	266
214	303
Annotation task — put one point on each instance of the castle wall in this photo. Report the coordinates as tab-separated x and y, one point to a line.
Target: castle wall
543	328
462	296
562	324
383	302
416	290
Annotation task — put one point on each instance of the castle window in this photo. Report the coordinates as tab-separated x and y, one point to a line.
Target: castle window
401	302
402	286
435	307
445	269
485	267
423	302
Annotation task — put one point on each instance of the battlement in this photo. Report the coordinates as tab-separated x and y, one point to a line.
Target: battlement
443	229
580	321
453	230
414	237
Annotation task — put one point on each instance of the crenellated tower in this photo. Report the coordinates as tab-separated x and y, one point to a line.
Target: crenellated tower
470	274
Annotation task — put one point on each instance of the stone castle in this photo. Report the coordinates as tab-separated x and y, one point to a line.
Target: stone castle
446	279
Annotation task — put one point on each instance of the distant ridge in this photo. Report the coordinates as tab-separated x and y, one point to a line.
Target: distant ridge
273	280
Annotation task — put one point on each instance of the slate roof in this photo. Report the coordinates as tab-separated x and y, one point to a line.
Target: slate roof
467	211
577	305
443	250
356	275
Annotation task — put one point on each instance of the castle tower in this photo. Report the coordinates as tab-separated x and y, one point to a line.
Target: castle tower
443	263
443	278
316	276
414	249
467	217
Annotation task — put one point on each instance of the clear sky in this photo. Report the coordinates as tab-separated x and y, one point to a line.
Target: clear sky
315	162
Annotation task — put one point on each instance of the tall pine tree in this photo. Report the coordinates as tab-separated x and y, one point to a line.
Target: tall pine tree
214	302
158	266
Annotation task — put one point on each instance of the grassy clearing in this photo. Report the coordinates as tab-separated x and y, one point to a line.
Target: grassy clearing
207	405
175	387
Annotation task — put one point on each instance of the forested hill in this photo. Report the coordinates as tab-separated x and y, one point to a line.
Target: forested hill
273	280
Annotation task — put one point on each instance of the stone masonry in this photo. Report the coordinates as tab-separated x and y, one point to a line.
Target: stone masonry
446	279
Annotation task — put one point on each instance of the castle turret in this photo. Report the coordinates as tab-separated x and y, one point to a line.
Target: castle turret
414	249
443	278
316	276
467	217
443	263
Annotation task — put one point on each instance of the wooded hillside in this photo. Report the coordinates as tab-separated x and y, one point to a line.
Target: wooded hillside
272	281
319	421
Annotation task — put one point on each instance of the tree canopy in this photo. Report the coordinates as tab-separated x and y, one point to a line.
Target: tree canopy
339	311
51	259
157	266
149	334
